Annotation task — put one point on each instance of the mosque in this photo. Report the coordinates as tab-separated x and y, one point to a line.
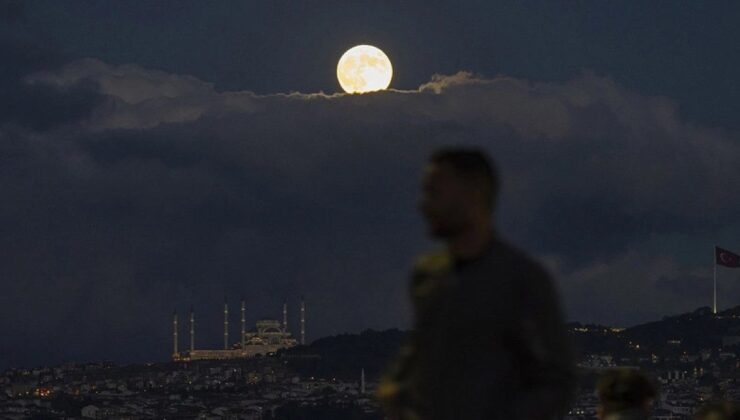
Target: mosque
268	337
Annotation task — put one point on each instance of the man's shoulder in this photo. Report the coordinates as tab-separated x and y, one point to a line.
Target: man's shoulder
429	272
515	259
533	284
437	262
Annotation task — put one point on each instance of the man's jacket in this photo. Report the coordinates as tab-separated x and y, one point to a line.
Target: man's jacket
489	342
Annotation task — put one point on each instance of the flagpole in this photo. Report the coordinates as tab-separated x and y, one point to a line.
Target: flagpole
714	262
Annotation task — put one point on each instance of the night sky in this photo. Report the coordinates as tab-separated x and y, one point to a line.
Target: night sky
160	154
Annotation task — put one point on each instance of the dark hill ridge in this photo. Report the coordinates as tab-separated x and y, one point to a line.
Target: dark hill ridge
343	356
695	330
689	332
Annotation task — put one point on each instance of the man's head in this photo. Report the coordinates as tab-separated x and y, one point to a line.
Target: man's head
624	390
459	190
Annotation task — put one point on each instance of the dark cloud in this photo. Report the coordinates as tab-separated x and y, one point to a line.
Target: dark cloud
686	51
167	193
35	106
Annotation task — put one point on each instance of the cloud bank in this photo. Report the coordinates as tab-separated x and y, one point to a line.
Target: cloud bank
128	192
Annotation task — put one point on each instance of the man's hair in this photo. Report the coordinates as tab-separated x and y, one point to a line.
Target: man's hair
624	389
473	166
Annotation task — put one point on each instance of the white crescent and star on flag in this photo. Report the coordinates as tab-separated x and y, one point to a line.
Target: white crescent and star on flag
727	258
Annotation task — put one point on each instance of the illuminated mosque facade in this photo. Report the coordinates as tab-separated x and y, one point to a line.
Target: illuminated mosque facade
268	336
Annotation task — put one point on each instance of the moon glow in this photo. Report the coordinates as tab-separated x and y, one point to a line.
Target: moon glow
364	68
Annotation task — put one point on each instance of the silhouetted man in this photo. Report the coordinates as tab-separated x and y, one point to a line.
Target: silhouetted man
489	340
624	394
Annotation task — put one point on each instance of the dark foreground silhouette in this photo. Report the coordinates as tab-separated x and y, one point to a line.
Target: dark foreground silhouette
489	340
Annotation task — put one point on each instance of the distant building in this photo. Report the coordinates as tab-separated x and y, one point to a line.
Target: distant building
269	333
268	337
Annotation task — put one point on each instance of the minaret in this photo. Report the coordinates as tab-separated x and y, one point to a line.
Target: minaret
362	381
285	316
192	330
174	332
244	323
226	325
303	322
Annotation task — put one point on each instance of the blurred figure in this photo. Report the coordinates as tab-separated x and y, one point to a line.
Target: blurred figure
719	411
624	394
489	340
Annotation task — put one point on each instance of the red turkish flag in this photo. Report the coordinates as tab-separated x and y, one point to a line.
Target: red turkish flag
726	258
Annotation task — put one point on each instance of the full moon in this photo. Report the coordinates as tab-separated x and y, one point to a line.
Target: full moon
364	68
